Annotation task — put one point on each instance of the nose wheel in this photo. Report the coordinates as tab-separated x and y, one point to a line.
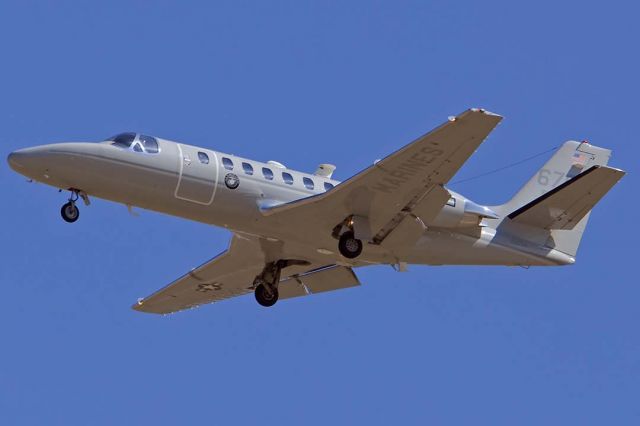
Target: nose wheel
70	212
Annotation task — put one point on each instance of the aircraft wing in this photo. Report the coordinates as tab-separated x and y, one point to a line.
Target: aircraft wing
227	275
232	273
383	194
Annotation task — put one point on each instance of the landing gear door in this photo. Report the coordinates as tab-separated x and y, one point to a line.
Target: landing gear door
197	175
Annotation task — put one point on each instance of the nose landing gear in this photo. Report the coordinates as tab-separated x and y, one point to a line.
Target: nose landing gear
69	211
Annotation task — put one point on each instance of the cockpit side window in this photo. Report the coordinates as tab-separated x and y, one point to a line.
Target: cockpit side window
136	142
123	140
149	143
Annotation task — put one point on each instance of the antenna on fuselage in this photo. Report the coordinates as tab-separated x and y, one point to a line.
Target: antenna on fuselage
325	170
277	164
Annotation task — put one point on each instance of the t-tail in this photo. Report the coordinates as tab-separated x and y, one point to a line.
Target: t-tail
553	208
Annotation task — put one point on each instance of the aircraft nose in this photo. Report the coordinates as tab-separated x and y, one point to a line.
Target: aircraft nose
27	161
17	159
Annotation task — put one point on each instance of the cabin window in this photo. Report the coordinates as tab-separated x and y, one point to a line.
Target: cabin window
287	178
327	186
451	202
149	143
267	173
248	168
227	163
308	183
204	158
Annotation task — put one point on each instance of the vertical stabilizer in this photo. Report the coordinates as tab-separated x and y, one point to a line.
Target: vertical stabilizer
569	161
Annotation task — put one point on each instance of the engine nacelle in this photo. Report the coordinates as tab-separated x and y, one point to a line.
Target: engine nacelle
460	212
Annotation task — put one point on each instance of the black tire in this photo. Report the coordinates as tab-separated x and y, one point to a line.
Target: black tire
70	212
264	297
349	246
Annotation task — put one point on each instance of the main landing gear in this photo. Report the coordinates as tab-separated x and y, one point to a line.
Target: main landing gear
266	284
266	295
70	211
349	246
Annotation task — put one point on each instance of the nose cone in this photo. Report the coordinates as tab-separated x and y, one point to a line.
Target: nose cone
28	161
17	159
56	164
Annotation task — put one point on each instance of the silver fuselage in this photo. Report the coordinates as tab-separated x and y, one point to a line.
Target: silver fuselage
174	181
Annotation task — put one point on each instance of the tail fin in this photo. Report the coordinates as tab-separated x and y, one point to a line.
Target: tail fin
545	201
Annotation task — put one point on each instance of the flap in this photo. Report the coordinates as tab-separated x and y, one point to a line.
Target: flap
318	281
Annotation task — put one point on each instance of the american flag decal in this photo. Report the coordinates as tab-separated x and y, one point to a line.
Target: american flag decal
579	159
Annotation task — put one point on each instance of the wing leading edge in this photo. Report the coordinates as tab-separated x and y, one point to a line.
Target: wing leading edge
227	275
232	274
392	187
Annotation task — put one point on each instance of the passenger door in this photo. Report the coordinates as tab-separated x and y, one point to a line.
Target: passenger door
197	176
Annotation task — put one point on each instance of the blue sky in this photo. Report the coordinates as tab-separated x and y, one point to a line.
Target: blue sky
305	83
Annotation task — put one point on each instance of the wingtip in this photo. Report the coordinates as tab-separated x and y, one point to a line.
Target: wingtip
139	306
485	111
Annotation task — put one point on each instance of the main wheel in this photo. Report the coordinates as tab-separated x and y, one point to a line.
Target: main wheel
265	297
70	212
349	246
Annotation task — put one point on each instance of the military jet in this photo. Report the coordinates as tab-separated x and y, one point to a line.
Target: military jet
296	233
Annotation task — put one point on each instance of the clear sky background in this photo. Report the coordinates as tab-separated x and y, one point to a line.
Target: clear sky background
305	83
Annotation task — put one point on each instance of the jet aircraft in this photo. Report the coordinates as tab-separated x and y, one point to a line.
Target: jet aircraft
297	233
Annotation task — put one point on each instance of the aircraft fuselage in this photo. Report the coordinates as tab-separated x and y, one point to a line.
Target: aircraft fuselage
228	191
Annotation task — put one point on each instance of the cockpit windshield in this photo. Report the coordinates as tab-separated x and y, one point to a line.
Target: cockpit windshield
136	142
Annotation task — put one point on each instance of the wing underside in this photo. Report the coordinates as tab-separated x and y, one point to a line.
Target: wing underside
381	196
232	274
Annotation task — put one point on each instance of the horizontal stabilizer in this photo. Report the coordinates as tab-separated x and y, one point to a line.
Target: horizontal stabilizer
565	205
